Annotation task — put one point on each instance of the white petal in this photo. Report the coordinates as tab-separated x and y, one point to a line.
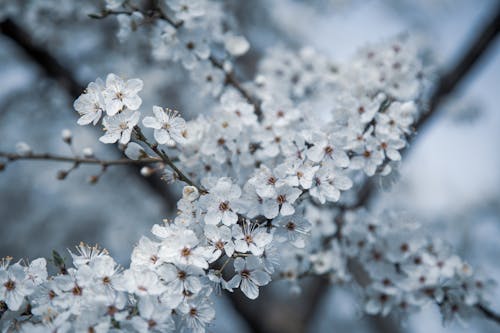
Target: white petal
249	289
151	122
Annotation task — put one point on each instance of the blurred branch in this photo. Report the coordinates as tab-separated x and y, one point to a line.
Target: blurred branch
50	65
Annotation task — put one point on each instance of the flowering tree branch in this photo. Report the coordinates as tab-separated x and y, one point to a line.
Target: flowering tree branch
54	69
158	13
446	85
448	81
268	185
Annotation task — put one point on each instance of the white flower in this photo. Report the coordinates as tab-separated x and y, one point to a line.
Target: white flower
265	182
328	148
14	286
218	202
135	152
114	4
281	202
153	316
23	149
369	157
90	104
327	184
119	94
294	229
397	119
36	272
186	10
250	239
197	312
182	248
236	45
220	239
140	282
119	127
168	126
145	254
298	173
209	78
192	48
250	276
379	303
190	193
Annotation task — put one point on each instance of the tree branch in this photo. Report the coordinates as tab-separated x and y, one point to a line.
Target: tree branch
489	314
78	160
50	65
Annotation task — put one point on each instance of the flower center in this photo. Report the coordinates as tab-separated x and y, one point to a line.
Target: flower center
77	290
245	274
10	285
248	239
281	199
329	150
224	206
271	180
219	245
290	226
186	252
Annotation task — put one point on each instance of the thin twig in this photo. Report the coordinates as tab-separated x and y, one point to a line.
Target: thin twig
489	314
167	160
11	157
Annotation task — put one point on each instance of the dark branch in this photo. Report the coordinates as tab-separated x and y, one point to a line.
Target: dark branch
41	57
488	313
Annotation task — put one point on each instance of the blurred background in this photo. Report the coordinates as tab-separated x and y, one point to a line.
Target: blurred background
450	180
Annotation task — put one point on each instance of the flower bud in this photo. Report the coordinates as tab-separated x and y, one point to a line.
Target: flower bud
23	148
147	171
66	135
61	174
135	152
88	152
93	179
190	193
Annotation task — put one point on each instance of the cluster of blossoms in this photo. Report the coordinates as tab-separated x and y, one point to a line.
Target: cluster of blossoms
190	32
268	187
